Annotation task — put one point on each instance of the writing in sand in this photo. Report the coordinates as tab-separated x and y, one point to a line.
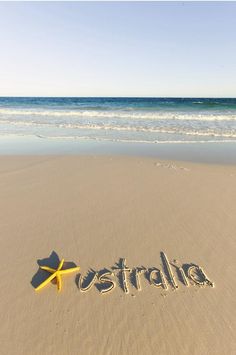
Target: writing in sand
187	274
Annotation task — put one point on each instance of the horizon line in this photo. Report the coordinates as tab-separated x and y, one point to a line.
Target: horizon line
123	97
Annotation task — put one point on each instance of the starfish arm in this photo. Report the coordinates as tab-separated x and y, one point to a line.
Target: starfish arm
67	271
59	281
44	283
60	265
47	268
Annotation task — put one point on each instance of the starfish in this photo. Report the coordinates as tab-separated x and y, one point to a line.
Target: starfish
56	273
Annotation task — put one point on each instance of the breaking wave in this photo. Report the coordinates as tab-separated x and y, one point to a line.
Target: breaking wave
121	114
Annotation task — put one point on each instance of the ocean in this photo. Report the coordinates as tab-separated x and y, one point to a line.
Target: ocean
139	120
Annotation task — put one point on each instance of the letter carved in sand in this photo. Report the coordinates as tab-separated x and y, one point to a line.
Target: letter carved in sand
197	275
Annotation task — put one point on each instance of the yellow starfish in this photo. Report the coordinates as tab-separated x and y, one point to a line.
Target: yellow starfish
56	273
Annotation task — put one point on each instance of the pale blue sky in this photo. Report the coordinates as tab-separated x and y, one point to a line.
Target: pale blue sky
118	49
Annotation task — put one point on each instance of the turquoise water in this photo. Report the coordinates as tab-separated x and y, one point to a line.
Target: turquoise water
137	120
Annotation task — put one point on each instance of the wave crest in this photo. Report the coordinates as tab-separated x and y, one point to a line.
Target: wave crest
121	114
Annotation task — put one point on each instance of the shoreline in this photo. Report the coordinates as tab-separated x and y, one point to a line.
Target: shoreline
219	153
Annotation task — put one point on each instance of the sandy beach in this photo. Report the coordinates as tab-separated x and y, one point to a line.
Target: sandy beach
95	212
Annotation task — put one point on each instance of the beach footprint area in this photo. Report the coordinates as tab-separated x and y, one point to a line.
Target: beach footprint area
151	244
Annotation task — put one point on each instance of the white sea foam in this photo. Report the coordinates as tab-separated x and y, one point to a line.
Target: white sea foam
121	114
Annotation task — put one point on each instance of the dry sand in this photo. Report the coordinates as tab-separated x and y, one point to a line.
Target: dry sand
93	211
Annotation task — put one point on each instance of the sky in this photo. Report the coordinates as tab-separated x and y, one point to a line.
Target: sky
177	49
